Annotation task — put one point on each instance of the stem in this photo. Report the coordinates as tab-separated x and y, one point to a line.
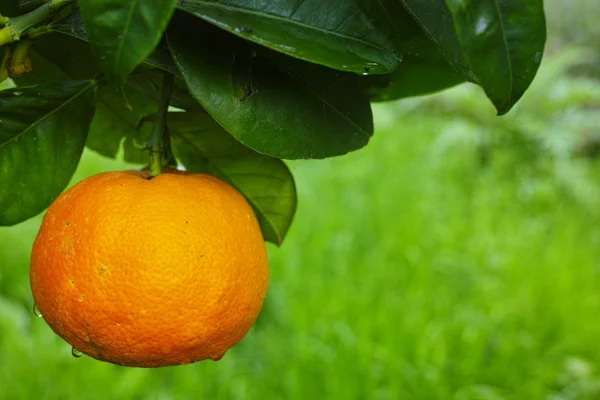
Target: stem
17	26
169	158
155	142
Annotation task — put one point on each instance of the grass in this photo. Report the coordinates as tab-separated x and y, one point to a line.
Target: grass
413	270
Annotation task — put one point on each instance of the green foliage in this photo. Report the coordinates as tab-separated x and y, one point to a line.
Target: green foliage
275	105
122	33
497	44
285	78
42	134
353	35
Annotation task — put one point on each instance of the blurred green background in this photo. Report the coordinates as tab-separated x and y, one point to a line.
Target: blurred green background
456	257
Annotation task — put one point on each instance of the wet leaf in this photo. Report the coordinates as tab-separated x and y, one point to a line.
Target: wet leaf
272	103
349	35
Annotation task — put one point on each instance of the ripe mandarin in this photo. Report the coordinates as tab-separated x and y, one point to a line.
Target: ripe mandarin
150	272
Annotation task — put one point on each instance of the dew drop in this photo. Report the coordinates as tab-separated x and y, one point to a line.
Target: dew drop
76	353
36	311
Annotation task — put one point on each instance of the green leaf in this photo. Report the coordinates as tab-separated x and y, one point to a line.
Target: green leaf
9	8
52	56
149	83
272	103
73	26
124	32
349	35
59	57
266	182
42	134
422	72
30	5
497	44
115	124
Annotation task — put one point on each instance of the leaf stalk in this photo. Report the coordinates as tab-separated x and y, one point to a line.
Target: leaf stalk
156	141
15	28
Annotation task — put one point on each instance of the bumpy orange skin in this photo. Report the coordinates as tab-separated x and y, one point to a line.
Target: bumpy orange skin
150	273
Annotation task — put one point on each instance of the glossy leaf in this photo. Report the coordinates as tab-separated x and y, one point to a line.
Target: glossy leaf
350	35
421	72
124	32
497	44
73	26
266	182
42	134
274	104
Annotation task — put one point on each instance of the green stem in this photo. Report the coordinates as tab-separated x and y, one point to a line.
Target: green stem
155	142
167	150
17	26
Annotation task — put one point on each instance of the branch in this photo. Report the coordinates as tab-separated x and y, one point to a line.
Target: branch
16	27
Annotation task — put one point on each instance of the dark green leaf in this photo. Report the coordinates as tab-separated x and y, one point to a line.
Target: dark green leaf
350	35
115	124
497	44
9	8
42	134
124	32
149	83
272	103
422	72
52	57
73	26
29	5
266	182
59	57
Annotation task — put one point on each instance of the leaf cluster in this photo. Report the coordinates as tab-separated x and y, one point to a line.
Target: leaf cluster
255	82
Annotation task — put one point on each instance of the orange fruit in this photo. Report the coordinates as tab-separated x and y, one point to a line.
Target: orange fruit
150	272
